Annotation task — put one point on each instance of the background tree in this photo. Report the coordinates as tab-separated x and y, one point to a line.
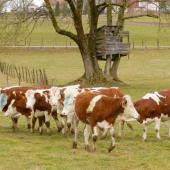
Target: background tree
86	40
17	20
57	9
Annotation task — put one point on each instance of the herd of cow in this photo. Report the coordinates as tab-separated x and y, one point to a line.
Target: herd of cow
98	108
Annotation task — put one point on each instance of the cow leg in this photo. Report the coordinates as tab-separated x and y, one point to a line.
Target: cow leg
47	122
14	123
94	136
112	146
64	124
144	132
120	128
41	122
86	137
157	127
59	127
76	122
33	123
28	122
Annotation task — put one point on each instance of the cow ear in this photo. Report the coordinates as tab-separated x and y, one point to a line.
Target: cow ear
124	103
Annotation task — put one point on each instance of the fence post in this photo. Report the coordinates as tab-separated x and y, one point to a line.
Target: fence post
42	42
158	44
142	43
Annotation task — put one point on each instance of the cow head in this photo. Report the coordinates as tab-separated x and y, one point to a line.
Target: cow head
3	101
30	97
129	109
55	96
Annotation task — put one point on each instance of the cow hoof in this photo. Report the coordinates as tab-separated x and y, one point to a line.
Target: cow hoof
41	132
59	129
111	148
144	140
87	148
69	125
94	149
28	126
94	138
32	131
72	131
74	145
119	138
13	128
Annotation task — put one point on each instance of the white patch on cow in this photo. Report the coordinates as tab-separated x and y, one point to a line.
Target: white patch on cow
30	96
7	88
47	117
14	93
145	132
93	103
39	113
129	109
102	88
157	127
70	94
30	99
154	96
95	131
41	92
148	121
55	96
103	125
11	111
86	134
164	117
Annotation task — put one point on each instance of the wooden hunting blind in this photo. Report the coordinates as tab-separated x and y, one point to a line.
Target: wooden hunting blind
107	44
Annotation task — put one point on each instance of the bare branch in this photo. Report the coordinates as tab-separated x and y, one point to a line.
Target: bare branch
101	7
55	24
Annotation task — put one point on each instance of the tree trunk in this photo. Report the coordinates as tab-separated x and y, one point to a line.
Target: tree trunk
107	68
93	73
114	69
120	25
108	58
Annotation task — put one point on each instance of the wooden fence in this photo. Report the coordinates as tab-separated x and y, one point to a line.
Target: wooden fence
24	74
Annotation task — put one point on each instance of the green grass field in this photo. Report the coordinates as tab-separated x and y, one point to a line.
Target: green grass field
44	34
145	71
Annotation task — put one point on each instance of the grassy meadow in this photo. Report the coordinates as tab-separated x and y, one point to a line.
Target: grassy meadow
143	29
145	71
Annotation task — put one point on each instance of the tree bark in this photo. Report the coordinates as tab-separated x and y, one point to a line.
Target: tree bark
120	25
109	57
114	69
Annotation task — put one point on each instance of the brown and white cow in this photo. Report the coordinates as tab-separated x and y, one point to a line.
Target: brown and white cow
57	98
154	107
38	101
70	95
100	111
16	103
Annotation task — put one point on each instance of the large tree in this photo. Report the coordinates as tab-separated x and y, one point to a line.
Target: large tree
86	41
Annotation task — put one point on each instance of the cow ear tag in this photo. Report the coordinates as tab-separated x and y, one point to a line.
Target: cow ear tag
3	101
